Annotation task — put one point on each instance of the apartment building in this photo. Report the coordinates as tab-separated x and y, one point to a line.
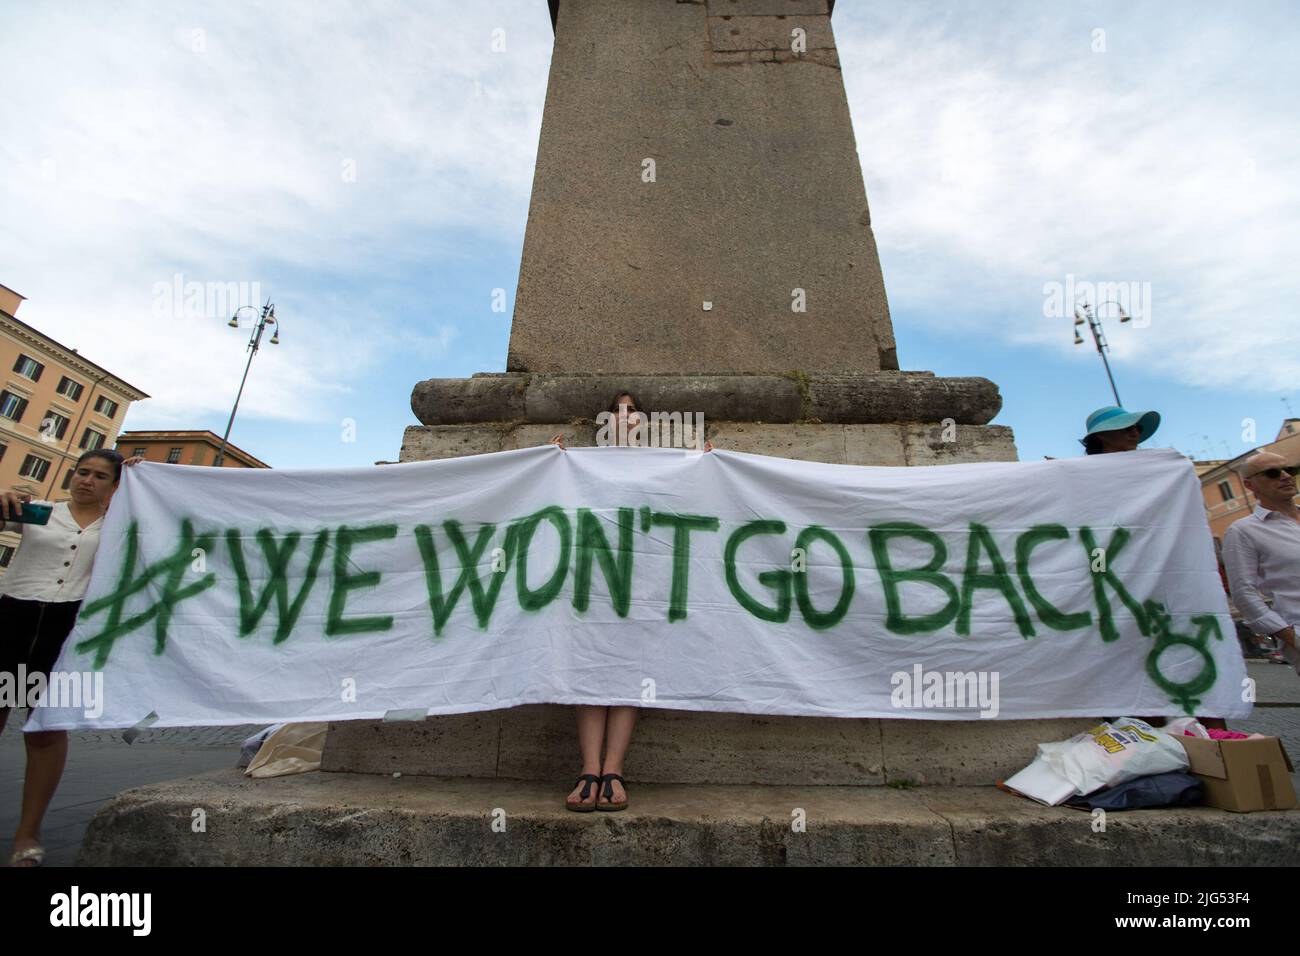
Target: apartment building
54	406
184	448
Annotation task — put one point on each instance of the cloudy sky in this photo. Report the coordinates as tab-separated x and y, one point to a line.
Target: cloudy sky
367	165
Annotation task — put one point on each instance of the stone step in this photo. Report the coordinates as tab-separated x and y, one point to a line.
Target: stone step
539	742
335	819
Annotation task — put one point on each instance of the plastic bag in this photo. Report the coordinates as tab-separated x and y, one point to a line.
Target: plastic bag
249	748
1105	756
1181	726
1112	753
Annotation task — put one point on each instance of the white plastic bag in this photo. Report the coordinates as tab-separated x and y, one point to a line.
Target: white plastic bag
1179	727
1105	756
248	750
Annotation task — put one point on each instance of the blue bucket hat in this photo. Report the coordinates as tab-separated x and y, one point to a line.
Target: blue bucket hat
1112	418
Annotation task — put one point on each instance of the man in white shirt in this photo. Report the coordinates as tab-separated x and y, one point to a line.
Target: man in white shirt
1261	553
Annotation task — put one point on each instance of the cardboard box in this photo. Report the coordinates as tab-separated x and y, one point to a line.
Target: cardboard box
1242	775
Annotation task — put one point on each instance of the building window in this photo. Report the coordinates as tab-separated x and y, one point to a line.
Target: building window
106	407
12	406
34	467
138	453
3	449
53	426
174	456
91	439
69	388
67	479
1225	489
6	555
29	367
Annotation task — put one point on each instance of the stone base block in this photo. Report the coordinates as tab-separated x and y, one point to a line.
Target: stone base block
331	819
540	743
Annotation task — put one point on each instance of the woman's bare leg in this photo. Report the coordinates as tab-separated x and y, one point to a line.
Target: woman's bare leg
591	736
47	752
618	735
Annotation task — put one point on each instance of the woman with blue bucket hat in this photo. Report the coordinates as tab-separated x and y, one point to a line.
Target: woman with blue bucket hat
1113	429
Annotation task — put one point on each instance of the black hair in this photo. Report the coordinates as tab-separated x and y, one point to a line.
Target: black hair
111	455
613	405
1092	444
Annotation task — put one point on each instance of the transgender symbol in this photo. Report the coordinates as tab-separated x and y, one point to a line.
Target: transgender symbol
1185	694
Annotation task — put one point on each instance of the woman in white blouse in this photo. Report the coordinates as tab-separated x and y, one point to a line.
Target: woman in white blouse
39	598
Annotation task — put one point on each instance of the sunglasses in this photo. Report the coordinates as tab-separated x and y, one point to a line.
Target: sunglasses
1276	473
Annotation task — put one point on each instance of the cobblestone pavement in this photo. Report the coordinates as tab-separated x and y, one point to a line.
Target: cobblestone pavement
100	764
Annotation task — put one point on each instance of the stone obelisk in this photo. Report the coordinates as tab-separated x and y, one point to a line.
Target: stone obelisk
699	234
688	155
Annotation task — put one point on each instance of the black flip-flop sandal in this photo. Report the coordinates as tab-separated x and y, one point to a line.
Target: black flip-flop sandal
608	793
587	779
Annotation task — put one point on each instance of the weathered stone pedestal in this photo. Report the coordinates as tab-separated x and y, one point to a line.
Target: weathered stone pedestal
686	747
877	418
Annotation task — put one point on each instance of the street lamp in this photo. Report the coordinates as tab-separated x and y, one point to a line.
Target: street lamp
255	340
1083	312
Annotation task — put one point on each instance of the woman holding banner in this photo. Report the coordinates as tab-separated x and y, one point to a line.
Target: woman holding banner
607	727
39	598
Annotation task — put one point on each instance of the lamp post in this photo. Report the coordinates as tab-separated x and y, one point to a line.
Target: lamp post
255	340
1083	312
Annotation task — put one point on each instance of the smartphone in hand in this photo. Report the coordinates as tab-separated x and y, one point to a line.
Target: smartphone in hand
32	514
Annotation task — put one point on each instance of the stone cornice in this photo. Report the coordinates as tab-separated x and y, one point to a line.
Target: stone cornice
863	398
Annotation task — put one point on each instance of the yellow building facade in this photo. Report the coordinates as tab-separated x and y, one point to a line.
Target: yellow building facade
55	405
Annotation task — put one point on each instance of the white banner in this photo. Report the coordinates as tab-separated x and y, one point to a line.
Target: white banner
656	578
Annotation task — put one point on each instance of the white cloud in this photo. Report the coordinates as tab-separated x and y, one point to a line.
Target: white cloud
279	144
320	147
1001	153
